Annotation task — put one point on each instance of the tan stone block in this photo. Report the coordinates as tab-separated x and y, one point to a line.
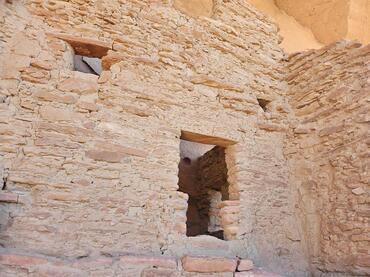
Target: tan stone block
212	82
363	260
156	261
230	210
208	264
48	96
23	45
85	46
255	273
123	150
66	197
272	127
56	114
362	237
358	191
230	232
42	64
195	8
159	273
227	219
21	260
245	265
8	197
80	85
105	156
11	65
109	60
56	271
90	263
229	203
87	106
104	77
331	130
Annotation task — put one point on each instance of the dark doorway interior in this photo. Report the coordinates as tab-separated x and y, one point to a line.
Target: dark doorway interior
203	176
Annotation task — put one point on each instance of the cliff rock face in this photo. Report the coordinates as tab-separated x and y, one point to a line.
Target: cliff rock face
331	20
89	164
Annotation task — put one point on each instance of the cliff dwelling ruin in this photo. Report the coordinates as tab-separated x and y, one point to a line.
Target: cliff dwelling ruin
184	138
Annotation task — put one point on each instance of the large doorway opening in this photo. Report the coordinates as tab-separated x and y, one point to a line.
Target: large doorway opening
203	175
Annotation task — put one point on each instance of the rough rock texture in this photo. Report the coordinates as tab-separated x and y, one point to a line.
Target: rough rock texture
328	153
245	265
195	8
328	20
13	263
295	36
89	164
331	20
208	264
95	160
312	24
359	21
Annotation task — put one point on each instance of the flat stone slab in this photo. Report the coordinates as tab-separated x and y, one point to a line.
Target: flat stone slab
208	264
163	262
8	197
245	265
256	273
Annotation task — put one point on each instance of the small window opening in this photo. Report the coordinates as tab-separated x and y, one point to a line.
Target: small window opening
263	103
88	53
203	176
87	64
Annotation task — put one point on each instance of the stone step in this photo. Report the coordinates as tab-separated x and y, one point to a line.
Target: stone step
14	262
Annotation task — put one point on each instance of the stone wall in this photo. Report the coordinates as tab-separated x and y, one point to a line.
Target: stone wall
18	264
89	164
213	172
328	154
92	162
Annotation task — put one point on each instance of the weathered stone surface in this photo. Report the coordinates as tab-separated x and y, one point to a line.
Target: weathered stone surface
85	46
106	156
56	114
159	273
186	135
325	156
195	8
255	273
164	262
96	159
245	265
208	264
80	85
20	260
8	197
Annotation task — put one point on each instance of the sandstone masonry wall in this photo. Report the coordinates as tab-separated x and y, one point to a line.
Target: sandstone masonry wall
328	154
90	163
